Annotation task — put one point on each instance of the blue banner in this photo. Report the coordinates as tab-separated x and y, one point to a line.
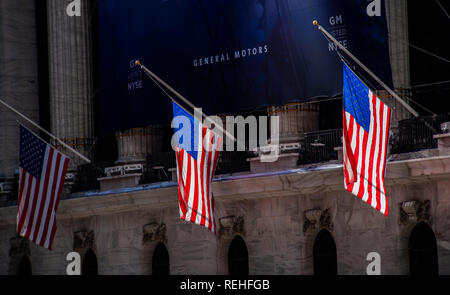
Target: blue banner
228	55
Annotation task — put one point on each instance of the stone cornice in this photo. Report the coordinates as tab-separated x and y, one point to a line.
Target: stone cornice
297	182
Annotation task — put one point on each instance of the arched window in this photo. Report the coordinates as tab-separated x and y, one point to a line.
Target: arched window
238	257
423	251
24	266
89	265
324	254
160	261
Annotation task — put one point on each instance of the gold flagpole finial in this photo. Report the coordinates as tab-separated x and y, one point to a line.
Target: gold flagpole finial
316	23
137	62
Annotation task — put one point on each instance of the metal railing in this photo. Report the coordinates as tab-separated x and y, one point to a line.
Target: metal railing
158	165
417	133
413	135
319	146
87	175
233	162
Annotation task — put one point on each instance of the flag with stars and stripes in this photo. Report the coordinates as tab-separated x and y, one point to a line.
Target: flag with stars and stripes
42	174
366	131
197	150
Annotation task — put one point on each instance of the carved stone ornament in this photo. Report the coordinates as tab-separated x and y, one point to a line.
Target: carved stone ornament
154	232
19	246
83	239
311	219
326	220
231	225
317	218
415	211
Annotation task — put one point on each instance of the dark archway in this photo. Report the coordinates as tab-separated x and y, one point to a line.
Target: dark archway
24	266
89	266
160	261
324	254
423	259
238	257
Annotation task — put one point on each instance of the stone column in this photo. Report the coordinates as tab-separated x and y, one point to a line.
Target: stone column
443	144
132	146
397	21
18	77
71	77
135	144
295	120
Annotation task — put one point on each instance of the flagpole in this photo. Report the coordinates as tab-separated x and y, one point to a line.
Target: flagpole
45	131
152	75
391	92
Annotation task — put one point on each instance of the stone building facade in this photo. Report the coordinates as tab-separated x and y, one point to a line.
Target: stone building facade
278	218
278	215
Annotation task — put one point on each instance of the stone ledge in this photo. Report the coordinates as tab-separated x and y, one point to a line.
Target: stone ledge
119	181
443	143
292	183
340	152
284	161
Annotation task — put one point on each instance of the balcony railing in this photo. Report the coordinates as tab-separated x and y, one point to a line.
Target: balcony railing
417	133
86	177
158	165
319	146
414	134
233	162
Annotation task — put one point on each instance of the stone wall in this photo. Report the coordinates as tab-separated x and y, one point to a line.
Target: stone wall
268	212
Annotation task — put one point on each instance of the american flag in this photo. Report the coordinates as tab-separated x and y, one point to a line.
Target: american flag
197	150
42	173
366	131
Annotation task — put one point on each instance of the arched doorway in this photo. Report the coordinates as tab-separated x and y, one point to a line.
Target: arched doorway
160	261
238	257
24	266
89	265
324	254
423	257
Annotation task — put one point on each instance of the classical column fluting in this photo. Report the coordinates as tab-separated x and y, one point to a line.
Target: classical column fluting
132	146
295	120
397	21
135	144
18	77
71	77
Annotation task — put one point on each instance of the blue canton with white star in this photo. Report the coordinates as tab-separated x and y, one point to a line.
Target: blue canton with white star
356	98
32	152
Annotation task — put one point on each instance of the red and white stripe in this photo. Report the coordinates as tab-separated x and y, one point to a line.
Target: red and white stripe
38	199
365	155
194	180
